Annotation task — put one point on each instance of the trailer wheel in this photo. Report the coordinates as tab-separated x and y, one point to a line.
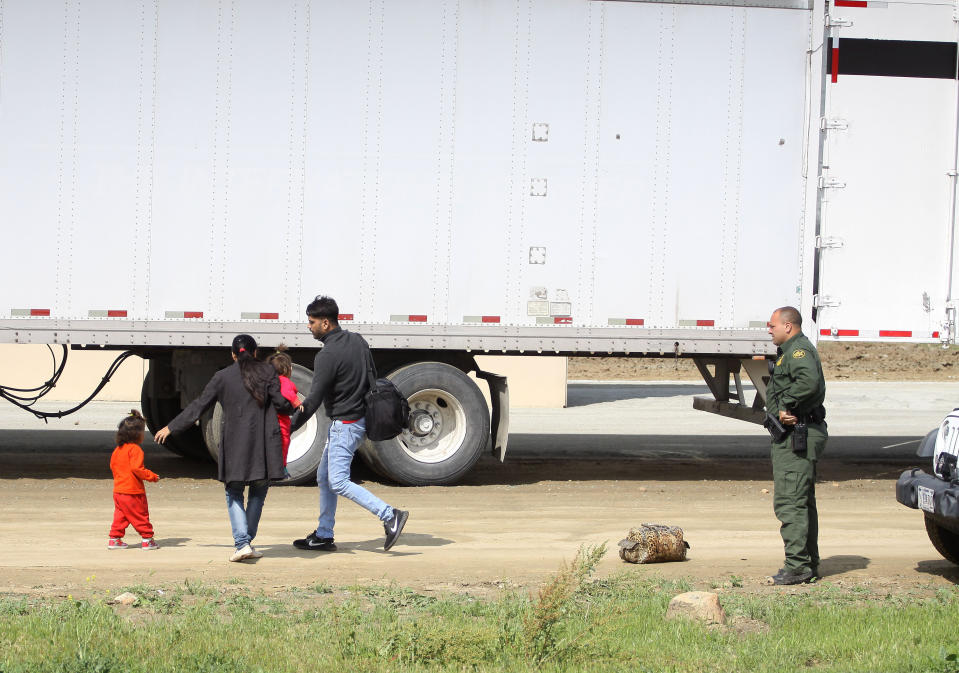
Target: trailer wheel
944	540
306	444
449	427
211	425
159	411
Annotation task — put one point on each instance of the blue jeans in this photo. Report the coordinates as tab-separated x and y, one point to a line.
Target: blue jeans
245	521
333	476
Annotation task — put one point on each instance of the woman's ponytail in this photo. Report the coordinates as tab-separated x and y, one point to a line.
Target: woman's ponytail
244	348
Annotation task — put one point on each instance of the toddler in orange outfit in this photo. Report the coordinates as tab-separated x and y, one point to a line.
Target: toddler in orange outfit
129	496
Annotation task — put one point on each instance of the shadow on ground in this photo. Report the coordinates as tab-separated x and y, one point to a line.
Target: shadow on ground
837	565
532	458
941	568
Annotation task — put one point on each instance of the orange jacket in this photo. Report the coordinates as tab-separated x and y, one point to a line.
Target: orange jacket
128	470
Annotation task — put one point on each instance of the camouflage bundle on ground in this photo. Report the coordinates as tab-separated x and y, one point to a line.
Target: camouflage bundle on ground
653	543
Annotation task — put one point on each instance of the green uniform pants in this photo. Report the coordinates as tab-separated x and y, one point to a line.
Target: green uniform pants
794	498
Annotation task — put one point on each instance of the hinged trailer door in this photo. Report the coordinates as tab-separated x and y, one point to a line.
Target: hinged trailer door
887	179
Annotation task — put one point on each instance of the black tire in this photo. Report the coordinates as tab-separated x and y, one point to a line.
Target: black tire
211	425
306	445
460	428
944	540
159	410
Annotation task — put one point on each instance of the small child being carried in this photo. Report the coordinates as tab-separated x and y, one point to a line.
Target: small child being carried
283	365
129	496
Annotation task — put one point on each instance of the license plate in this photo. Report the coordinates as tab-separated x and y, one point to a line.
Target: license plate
925	499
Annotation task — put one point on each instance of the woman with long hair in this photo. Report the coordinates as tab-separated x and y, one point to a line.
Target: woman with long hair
251	447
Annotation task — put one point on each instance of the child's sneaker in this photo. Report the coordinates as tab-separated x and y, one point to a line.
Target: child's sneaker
148	544
117	543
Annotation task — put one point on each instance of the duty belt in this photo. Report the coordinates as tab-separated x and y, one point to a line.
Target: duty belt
817	415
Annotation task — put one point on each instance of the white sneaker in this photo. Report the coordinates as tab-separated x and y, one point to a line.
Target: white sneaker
244	552
255	553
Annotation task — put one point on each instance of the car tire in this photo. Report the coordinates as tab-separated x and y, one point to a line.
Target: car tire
945	541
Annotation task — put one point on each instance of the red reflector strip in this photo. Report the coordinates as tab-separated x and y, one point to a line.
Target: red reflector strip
894	333
635	321
116	314
269	316
417	318
490	318
193	314
563	320
25	312
839	332
835	64
345	316
935	335
850	3
705	323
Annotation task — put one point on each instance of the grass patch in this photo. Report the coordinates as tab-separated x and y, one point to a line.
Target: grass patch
573	622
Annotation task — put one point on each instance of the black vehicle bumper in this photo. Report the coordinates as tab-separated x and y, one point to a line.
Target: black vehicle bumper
945	496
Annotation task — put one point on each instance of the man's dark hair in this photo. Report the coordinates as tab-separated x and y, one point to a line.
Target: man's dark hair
324	307
790	314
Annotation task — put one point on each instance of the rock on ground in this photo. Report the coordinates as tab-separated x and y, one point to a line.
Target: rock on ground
702	605
126	598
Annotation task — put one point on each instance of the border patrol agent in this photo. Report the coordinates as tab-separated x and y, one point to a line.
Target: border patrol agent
794	398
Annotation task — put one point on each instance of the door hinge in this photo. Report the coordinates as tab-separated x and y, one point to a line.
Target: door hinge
829	242
833	124
830	183
822	301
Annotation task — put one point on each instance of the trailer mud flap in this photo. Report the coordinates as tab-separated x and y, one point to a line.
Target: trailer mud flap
499	418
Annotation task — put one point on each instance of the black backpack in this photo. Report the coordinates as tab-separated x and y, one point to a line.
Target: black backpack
387	411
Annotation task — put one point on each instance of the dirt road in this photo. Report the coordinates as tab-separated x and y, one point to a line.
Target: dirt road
506	525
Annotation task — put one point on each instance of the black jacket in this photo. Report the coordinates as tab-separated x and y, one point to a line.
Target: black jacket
340	380
250	444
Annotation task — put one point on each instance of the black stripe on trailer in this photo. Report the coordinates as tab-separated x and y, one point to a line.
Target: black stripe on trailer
892	58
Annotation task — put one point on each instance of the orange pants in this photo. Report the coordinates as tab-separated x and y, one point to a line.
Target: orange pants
130	509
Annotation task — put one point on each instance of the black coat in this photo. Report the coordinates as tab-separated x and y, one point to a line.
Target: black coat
251	447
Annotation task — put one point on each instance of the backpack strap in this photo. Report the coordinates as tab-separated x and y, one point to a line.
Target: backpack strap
370	369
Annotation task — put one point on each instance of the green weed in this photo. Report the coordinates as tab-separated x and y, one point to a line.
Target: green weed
555	603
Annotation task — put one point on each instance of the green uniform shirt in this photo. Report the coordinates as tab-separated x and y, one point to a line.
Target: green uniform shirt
797	383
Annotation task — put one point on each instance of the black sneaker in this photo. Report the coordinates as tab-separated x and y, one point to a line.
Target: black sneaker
394	527
313	543
788	577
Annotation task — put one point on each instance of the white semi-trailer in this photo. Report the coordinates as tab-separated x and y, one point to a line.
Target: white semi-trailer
572	177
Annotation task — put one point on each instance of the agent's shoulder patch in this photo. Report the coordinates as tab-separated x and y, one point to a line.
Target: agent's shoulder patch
799	353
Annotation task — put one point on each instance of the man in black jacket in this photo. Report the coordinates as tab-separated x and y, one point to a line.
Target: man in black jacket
340	383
